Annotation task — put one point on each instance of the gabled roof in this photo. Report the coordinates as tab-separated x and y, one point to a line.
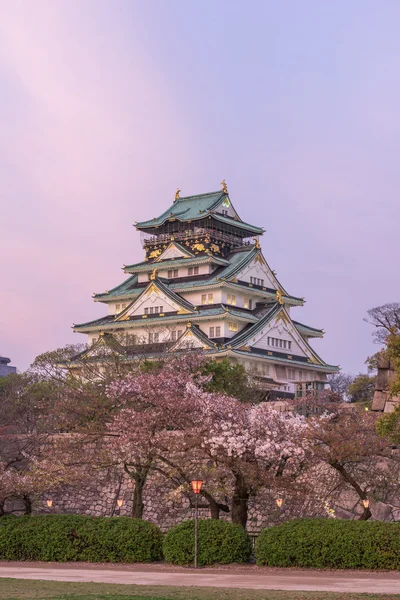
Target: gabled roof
250	331
164	289
146	265
105	342
175	245
197	207
193	331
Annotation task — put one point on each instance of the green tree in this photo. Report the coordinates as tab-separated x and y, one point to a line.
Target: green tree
230	379
362	389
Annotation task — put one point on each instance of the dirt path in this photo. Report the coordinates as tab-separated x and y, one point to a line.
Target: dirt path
240	577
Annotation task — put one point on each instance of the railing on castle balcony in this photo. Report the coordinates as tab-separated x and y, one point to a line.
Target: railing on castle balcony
148	239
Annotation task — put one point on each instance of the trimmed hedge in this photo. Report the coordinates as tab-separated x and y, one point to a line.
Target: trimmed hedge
64	538
218	542
332	543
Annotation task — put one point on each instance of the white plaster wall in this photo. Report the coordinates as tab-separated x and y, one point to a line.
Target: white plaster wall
279	330
195	297
205	326
112	307
144	277
153	299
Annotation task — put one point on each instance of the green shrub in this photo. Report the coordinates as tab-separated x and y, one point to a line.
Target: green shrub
332	543
218	542
79	538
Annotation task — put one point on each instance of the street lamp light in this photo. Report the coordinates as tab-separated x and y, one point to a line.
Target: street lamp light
120	502
279	502
366	503
196	489
49	503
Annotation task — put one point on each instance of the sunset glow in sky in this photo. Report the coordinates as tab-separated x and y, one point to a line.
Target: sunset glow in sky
107	107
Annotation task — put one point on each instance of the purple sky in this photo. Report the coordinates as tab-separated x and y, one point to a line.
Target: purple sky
106	107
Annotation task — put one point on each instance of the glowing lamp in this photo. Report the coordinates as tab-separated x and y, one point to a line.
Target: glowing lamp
196	485
366	503
120	502
279	502
49	503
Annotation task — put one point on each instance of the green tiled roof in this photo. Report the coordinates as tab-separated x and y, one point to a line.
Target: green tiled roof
202	312
313	366
234	263
127	287
146	265
306	329
197	207
240	338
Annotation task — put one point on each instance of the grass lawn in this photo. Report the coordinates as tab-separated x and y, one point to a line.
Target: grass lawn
18	589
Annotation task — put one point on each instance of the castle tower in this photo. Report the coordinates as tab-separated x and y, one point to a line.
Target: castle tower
205	284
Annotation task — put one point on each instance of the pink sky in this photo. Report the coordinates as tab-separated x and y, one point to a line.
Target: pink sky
107	107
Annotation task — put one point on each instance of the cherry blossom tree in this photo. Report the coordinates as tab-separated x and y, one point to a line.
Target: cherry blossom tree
349	456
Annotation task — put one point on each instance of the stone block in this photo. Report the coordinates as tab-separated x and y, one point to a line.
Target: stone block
381	511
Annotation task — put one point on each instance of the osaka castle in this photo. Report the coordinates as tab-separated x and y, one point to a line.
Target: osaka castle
205	284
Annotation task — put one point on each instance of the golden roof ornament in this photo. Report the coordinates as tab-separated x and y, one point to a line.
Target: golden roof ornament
257	243
153	275
177	196
279	296
224	186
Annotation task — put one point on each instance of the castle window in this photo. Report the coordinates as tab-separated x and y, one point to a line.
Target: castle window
153	310
233	326
218	331
207	298
173	273
117	308
211	334
176	334
231	299
193	270
285	344
154	338
248	303
257	281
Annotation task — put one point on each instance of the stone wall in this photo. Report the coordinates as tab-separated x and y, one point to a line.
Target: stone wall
382	400
166	506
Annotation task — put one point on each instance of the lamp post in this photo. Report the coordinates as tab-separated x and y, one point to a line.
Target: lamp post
196	488
366	503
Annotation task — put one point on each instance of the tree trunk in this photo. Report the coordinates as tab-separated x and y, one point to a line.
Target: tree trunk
240	502
2	503
139	476
137	508
365	515
28	505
